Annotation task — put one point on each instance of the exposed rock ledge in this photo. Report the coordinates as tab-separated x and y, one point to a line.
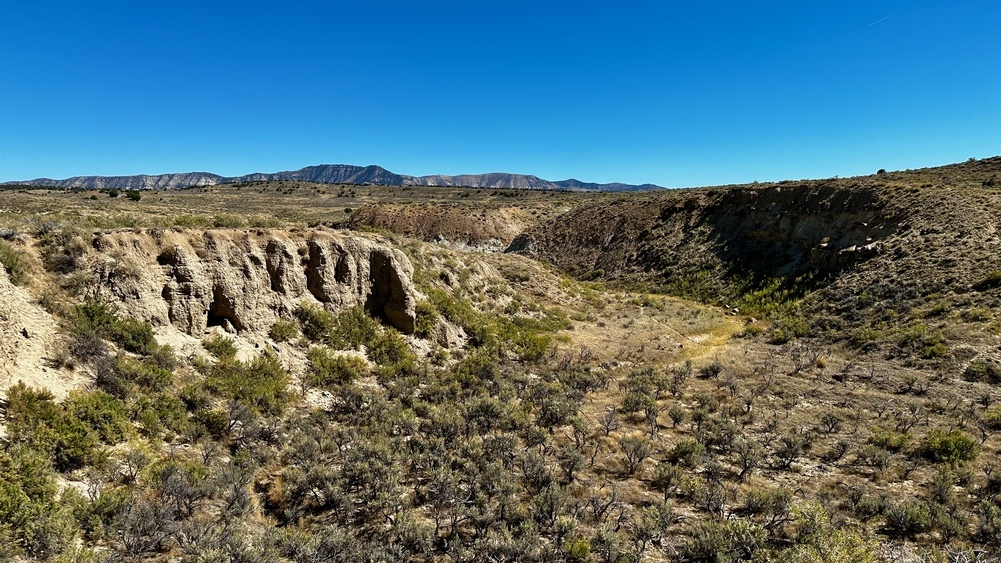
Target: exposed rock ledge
244	280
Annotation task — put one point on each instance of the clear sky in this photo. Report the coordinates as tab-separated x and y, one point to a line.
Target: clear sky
673	93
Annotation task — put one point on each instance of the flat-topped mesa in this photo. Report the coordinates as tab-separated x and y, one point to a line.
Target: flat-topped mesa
245	280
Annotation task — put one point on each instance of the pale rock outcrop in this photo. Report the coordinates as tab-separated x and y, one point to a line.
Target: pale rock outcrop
29	340
245	280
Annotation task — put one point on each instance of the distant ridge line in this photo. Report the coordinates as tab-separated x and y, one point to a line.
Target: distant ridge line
331	174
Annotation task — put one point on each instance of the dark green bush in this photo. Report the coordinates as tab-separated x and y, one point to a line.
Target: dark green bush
953	446
908	518
35	419
687	453
261	385
105	413
726	540
145	374
427	319
14	262
222	347
354	328
327	368
983	370
284	331
316	322
889	440
95	317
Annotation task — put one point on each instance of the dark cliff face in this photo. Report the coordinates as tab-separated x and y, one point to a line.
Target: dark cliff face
750	232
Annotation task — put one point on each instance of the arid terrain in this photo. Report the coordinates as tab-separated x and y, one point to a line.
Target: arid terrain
290	371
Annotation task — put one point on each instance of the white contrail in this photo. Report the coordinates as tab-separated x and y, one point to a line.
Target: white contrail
883	20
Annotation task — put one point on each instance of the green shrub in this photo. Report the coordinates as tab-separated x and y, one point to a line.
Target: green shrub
35	419
687	453
908	518
916	338
983	370
326	368
98	318
992	416
261	385
316	322
818	540
889	440
976	315
222	347
787	327
427	319
391	352
14	262
145	374
354	328
949	447
725	540
284	331
134	195
159	413
104	413
32	523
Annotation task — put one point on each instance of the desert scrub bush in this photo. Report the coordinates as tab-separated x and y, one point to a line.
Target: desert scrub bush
916	338
985	370
220	346
95	317
427	319
33	524
62	250
14	262
635	450
327	368
388	349
457	310
687	453
788	327
159	413
354	328
146	374
35	419
261	384
818	540
104	413
284	331
976	315
908	518
316	322
951	446
992	416
725	540
889	440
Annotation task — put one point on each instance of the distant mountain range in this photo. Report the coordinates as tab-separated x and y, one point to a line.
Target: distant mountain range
331	174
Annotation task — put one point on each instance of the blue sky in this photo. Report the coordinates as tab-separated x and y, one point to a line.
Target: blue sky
673	93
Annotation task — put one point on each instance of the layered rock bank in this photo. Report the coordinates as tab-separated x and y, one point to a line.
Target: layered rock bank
246	280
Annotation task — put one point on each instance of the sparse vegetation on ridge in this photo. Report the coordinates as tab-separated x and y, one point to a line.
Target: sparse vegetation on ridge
531	416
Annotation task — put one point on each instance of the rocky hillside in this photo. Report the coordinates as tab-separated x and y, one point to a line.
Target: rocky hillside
871	247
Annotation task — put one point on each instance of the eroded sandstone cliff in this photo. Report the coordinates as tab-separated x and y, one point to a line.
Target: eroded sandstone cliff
246	280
